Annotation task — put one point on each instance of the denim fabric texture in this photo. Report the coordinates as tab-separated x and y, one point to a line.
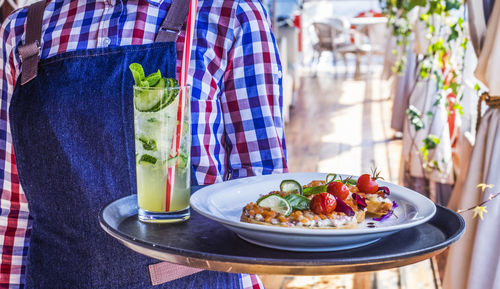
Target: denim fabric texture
73	136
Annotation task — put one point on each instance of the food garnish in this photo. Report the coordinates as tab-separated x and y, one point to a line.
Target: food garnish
338	189
331	177
342	207
151	100
298	202
323	203
368	183
330	203
291	186
390	213
359	200
385	190
276	203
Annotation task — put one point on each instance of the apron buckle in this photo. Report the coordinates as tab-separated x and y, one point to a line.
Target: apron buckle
29	50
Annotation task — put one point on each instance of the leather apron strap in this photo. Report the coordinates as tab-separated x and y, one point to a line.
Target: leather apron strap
30	51
172	24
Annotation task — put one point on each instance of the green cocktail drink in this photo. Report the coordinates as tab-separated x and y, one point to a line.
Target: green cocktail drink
162	147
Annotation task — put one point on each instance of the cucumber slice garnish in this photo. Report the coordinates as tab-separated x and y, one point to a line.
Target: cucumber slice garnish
277	204
330	178
147	99
152	99
290	186
147	160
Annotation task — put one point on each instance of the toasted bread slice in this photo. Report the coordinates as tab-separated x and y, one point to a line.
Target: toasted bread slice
377	205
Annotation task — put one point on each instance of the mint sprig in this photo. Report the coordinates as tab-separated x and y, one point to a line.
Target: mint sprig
137	73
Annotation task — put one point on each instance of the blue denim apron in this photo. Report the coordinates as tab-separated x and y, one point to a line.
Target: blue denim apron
72	128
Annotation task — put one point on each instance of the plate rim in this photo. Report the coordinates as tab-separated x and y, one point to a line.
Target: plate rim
304	231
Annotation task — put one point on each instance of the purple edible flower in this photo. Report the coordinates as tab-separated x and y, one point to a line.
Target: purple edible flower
386	216
385	190
342	207
359	200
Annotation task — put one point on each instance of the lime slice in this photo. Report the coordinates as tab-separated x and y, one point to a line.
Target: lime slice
290	186
277	204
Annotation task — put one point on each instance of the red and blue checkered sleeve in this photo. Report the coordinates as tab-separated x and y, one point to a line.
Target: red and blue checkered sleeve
236	112
14	215
252	97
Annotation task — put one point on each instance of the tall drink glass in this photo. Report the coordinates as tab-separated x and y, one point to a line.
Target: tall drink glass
162	127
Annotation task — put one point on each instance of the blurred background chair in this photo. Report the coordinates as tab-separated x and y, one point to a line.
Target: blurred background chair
338	37
331	35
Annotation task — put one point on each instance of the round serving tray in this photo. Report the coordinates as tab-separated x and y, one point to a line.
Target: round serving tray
206	244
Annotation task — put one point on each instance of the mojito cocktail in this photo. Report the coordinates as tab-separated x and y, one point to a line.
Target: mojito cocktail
162	147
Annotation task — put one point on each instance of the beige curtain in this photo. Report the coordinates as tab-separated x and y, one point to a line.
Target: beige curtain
473	262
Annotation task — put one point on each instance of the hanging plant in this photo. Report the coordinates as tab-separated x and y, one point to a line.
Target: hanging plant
442	62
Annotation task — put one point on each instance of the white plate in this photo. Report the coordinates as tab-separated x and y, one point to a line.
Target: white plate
224	202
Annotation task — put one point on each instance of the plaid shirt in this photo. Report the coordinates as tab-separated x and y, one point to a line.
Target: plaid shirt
236	76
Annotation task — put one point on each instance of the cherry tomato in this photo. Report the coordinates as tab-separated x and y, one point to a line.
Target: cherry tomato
367	184
323	203
338	189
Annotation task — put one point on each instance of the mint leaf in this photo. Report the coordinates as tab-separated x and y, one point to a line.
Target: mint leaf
147	159
154	78
148	144
137	73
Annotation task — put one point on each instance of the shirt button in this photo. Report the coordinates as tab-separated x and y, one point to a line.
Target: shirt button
105	42
279	74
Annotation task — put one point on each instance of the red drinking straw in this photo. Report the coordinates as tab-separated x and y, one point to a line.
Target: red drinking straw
186	55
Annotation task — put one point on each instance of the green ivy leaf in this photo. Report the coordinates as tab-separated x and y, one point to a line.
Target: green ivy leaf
431	141
414	117
452	4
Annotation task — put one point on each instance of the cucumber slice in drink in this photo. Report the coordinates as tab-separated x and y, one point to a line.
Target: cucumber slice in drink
169	95
277	204
152	100
147	160
291	186
148	99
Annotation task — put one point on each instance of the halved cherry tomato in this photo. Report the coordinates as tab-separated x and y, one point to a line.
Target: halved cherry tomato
323	203
338	189
367	184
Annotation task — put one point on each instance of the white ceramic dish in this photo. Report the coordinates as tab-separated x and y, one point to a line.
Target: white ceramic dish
223	202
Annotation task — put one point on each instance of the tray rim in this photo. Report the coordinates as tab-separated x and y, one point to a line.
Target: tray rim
237	264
